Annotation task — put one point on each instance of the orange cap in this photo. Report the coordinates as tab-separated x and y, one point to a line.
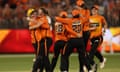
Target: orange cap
63	13
75	12
79	2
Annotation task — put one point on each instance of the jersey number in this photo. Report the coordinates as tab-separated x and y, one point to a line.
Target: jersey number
77	27
59	28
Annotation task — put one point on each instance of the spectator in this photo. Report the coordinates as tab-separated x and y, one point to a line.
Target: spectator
1	18
17	8
8	16
34	3
115	18
1	1
19	20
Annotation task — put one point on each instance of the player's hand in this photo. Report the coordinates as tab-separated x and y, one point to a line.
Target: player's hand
103	33
78	35
56	18
28	18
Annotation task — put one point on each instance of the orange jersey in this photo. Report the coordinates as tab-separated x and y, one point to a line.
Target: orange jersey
45	28
35	33
85	14
74	26
60	31
96	22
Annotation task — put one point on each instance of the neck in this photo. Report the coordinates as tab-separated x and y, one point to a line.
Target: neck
95	14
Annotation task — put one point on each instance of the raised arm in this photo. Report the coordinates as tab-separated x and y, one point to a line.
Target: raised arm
63	20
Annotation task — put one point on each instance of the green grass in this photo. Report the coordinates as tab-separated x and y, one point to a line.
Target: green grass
23	63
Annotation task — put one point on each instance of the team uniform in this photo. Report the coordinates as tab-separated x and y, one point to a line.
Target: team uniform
35	35
34	32
84	13
42	59
60	39
96	24
86	33
60	42
74	29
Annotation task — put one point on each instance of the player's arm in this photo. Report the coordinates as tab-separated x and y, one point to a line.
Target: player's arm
86	23
63	20
104	23
38	24
45	25
69	30
92	28
88	13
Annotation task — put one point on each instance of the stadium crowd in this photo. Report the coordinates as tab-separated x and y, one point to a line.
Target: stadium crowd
77	23
13	12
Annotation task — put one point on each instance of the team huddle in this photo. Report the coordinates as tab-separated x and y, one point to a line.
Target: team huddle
83	28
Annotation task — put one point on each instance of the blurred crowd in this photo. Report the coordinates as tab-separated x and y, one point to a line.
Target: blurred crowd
13	12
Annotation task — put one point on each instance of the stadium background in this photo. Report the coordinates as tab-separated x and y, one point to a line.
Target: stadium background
16	51
14	35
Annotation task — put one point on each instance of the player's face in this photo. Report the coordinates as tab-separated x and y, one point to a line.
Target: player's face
94	11
40	13
34	15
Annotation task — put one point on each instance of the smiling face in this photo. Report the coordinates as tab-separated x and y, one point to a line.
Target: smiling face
94	11
40	13
34	15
